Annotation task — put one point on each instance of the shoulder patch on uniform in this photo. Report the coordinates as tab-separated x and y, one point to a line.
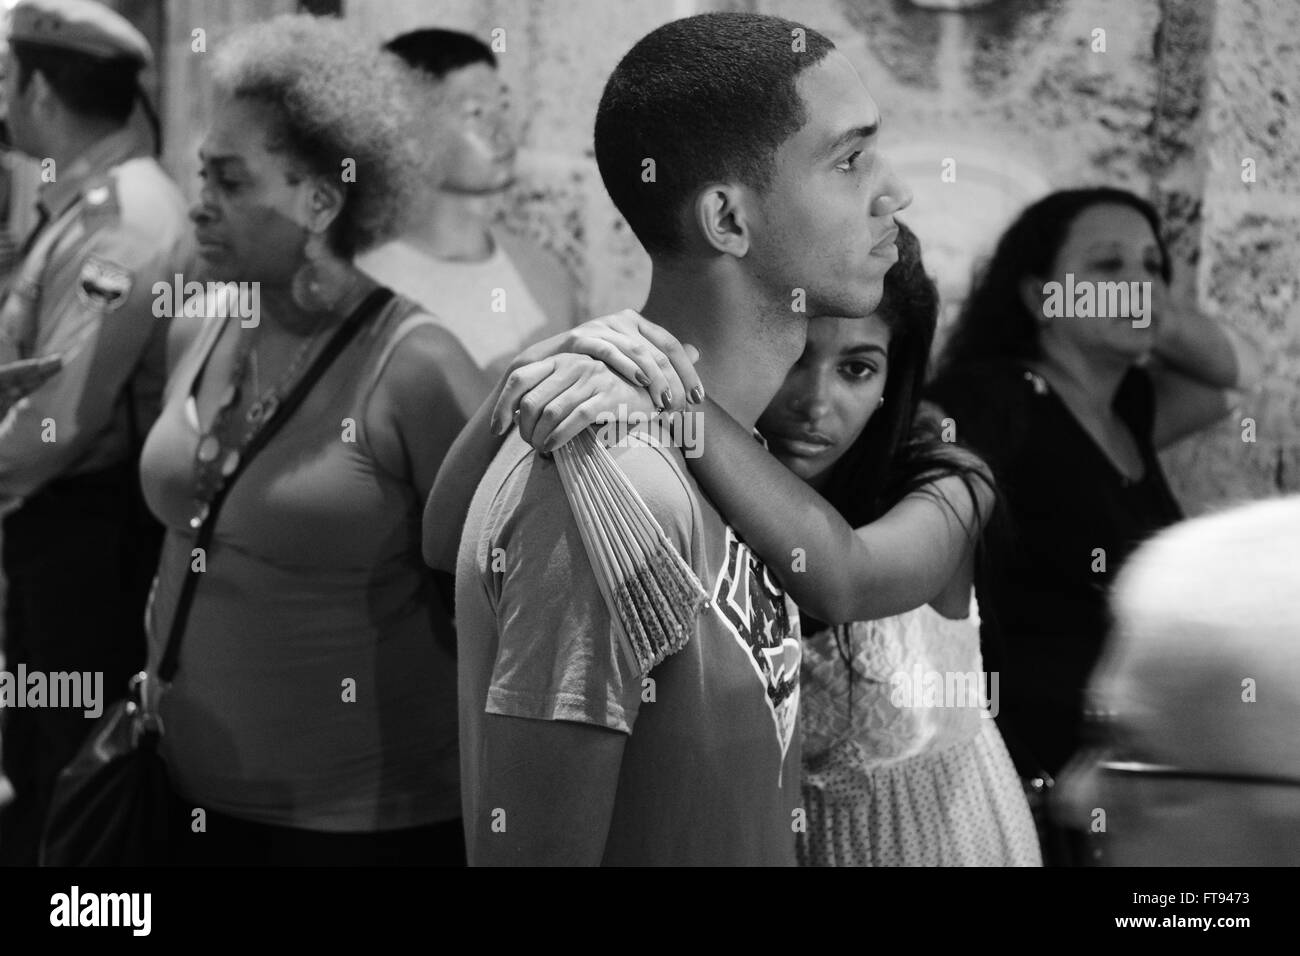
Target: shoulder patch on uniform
102	285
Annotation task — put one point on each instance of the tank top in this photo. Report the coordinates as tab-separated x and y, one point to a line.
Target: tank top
315	687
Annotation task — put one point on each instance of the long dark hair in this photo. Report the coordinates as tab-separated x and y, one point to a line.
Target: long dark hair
900	452
994	324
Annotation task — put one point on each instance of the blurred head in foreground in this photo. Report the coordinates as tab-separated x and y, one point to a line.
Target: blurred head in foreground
1198	760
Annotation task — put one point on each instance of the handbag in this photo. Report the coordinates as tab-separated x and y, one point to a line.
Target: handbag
111	804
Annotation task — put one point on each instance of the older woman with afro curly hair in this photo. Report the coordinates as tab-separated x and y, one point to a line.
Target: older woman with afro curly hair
312	717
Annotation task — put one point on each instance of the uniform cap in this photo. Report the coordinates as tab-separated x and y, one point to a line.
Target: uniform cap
79	26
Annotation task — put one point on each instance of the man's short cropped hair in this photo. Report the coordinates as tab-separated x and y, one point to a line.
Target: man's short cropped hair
439	52
707	98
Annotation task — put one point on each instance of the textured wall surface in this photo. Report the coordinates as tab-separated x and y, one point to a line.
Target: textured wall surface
1249	243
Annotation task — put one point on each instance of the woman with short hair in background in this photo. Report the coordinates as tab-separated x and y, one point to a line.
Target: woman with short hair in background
313	716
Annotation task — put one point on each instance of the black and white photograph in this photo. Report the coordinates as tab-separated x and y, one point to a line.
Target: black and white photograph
649	433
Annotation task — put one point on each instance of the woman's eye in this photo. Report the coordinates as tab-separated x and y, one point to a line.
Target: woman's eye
1108	265
859	370
850	163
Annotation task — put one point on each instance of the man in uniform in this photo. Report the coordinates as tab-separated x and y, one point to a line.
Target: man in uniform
79	547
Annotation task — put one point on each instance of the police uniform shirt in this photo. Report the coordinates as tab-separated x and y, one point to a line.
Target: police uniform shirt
115	225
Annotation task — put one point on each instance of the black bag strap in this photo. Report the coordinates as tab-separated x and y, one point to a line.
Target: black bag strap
370	307
1028	766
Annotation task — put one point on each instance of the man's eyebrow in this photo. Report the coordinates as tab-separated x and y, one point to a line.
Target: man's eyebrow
848	136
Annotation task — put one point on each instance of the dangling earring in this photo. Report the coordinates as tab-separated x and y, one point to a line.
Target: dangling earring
322	280
881	402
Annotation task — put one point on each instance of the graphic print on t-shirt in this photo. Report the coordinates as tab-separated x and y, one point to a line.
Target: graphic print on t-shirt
752	606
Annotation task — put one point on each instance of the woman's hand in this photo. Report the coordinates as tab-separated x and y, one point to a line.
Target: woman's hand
559	386
636	348
555	398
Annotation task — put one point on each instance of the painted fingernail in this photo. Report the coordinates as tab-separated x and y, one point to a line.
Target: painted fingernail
642	379
697	394
666	398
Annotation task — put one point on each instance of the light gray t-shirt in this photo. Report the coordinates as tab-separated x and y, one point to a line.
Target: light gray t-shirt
710	772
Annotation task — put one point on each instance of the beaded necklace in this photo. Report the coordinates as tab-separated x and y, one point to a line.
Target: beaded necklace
222	445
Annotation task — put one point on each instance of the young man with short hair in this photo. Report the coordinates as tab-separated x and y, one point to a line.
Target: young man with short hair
762	138
497	292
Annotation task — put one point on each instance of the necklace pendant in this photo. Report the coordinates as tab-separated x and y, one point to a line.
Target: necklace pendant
262	410
209	448
230	464
201	516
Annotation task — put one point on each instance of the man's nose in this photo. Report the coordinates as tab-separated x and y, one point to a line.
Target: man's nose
502	129
895	194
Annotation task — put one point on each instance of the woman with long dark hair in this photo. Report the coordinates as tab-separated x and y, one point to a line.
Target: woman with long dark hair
1069	406
901	765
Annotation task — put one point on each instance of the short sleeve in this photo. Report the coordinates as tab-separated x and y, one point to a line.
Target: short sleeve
95	310
558	655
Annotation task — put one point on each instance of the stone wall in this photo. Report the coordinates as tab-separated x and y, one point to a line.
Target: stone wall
1249	243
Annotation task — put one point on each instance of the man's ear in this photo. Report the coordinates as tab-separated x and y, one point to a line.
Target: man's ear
324	203
721	217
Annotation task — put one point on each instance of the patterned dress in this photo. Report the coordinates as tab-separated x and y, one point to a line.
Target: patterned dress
915	773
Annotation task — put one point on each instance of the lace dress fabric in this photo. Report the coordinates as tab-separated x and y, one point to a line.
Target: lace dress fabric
915	773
